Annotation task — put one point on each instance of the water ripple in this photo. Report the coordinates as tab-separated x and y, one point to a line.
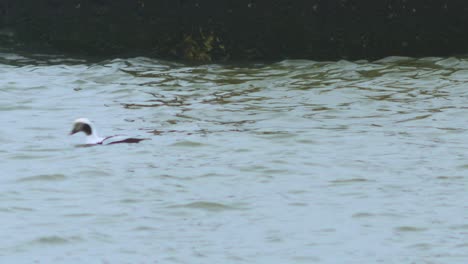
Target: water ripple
46	177
267	162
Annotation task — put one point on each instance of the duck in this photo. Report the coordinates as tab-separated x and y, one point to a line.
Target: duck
92	138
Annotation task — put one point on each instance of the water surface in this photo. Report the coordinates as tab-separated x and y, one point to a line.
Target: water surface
290	162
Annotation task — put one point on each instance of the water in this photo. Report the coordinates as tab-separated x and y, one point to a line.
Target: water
290	162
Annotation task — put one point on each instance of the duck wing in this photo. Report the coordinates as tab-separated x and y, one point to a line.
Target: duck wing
128	140
118	139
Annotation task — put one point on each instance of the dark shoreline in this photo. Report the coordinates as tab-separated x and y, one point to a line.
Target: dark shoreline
242	30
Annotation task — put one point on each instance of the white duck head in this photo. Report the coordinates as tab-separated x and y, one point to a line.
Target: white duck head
86	126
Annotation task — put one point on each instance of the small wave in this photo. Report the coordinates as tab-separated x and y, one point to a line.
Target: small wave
208	206
187	143
55	240
43	177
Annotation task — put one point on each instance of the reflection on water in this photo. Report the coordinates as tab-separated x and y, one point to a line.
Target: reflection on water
293	162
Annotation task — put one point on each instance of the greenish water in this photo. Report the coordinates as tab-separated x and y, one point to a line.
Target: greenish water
290	162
